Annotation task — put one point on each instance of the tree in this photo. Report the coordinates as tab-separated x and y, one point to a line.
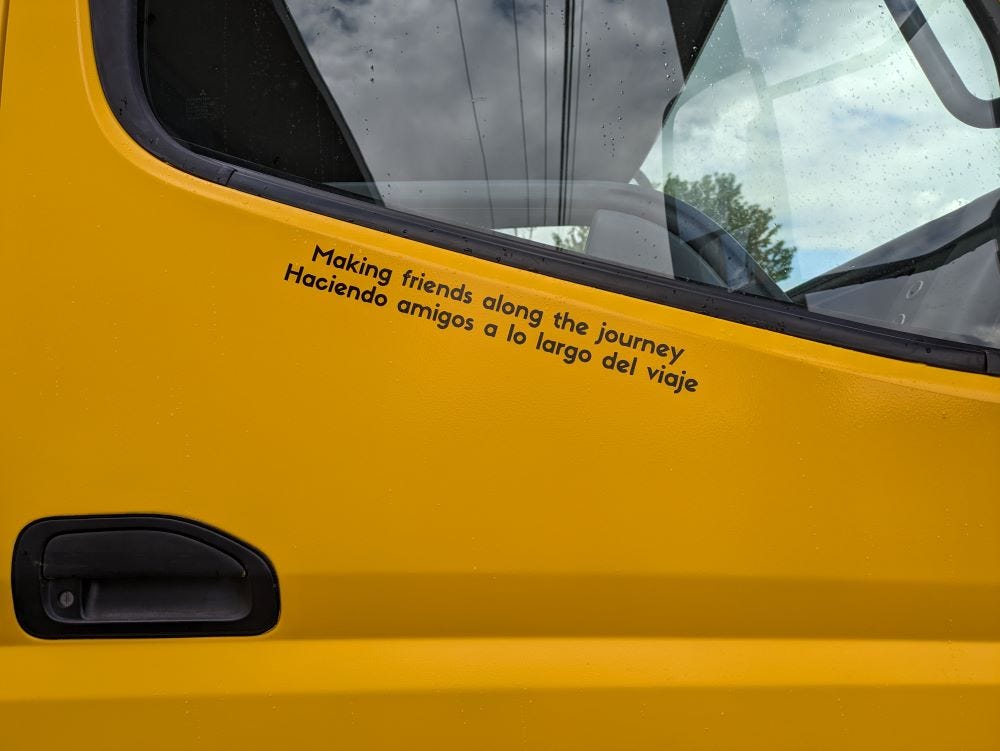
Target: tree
574	239
720	197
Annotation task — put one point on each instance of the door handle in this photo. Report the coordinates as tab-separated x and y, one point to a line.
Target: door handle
118	576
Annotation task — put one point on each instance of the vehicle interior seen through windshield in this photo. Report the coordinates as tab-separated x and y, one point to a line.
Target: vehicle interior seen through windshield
838	155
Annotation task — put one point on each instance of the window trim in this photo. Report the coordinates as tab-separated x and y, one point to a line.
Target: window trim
115	28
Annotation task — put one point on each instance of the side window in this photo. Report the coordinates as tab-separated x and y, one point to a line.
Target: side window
838	155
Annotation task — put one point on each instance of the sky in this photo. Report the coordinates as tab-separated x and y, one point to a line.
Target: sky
850	158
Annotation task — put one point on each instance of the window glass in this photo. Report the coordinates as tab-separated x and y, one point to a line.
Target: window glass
966	47
801	150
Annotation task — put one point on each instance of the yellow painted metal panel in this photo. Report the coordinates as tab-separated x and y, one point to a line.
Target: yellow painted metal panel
3	37
523	693
471	535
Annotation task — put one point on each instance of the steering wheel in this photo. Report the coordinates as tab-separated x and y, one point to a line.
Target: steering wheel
685	244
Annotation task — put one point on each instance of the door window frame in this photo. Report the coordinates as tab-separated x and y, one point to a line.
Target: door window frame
115	28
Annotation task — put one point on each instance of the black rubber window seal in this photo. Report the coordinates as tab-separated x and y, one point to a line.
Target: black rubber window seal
115	30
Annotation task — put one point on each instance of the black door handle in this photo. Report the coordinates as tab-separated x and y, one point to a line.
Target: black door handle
117	576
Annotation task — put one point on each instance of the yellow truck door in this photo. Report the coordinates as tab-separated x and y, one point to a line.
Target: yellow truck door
458	374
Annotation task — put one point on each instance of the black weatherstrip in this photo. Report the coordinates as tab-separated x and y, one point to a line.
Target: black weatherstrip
115	27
